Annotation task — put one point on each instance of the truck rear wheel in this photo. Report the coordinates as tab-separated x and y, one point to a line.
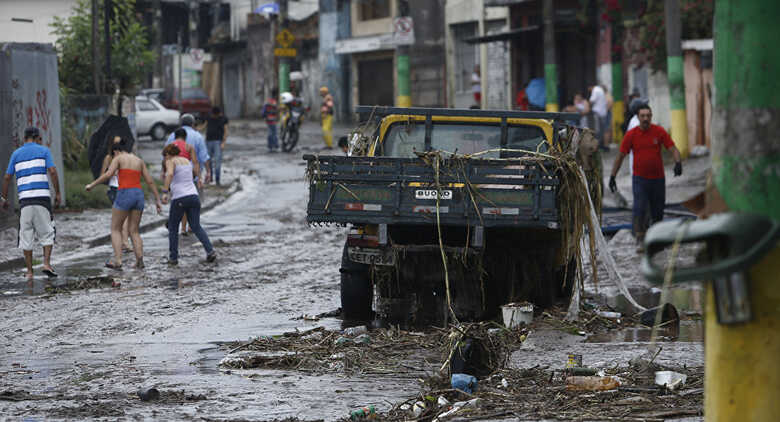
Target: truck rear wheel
356	289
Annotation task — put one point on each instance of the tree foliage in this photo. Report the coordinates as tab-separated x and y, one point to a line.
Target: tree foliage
131	57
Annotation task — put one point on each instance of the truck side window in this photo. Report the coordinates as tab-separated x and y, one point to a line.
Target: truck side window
527	138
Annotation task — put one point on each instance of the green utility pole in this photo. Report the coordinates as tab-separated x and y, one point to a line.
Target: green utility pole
550	69
404	98
740	383
674	71
284	62
618	106
746	112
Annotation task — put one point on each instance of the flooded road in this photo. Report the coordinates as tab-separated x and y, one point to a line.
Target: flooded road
85	352
83	346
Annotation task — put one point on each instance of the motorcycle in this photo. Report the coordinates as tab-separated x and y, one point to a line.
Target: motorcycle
290	130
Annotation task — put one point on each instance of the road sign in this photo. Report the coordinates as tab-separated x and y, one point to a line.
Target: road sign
285	38
403	30
285	52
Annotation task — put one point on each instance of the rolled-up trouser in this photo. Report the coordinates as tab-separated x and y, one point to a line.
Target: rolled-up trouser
327	129
189	205
648	193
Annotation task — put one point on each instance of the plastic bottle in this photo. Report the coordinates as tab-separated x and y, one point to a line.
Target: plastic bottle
591	383
362	413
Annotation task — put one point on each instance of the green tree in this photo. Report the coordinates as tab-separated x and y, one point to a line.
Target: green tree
131	57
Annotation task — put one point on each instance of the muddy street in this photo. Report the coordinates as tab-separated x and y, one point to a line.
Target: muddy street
82	346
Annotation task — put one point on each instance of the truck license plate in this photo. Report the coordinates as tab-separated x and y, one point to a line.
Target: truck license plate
370	256
431	194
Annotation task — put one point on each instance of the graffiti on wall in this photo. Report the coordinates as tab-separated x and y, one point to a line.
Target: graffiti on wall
38	115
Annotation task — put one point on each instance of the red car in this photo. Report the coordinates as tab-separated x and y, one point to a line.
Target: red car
193	101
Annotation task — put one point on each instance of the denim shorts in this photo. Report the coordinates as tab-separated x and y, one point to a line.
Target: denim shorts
111	192
129	199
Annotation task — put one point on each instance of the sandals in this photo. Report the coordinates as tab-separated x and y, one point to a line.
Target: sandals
49	272
113	265
139	264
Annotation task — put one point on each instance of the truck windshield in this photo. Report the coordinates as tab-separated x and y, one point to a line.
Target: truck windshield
403	139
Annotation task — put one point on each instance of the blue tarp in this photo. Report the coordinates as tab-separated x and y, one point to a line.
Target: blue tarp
268	9
536	92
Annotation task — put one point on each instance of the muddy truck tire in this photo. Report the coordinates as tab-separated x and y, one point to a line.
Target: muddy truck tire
356	289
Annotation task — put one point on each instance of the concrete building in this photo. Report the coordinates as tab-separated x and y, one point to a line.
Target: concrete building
469	27
365	45
29	20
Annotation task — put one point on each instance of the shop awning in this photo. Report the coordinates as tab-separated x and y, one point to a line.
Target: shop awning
502	36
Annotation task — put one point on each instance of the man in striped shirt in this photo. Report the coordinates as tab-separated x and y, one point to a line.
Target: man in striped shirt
31	163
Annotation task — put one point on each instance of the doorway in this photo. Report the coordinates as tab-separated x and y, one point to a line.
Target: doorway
375	82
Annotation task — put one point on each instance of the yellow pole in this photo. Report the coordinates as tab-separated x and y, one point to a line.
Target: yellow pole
742	374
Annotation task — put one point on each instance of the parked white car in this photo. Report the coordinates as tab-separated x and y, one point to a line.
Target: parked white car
152	119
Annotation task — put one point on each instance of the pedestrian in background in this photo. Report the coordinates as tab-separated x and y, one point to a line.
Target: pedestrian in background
271	115
129	203
184	199
216	138
326	112
31	163
598	103
113	185
648	179
476	85
195	139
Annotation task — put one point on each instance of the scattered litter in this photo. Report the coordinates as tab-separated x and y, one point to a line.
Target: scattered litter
464	382
517	314
670	379
353	331
458	406
591	383
610	315
574	360
699	151
148	394
418	408
442	401
362	413
504	383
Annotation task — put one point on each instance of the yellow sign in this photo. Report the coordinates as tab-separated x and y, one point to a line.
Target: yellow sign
285	38
285	52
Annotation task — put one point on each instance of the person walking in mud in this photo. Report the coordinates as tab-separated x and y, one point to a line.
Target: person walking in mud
271	115
326	112
648	181
179	186
113	186
129	202
31	163
195	139
216	138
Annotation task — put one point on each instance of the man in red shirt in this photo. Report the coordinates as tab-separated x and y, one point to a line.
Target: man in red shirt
648	180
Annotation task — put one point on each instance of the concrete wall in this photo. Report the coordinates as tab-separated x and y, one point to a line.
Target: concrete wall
497	68
334	25
29	96
427	55
41	12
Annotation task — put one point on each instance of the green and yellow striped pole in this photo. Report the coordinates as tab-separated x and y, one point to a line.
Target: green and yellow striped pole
742	379
404	98
674	71
550	69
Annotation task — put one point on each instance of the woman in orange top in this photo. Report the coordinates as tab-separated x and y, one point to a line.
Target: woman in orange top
129	202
